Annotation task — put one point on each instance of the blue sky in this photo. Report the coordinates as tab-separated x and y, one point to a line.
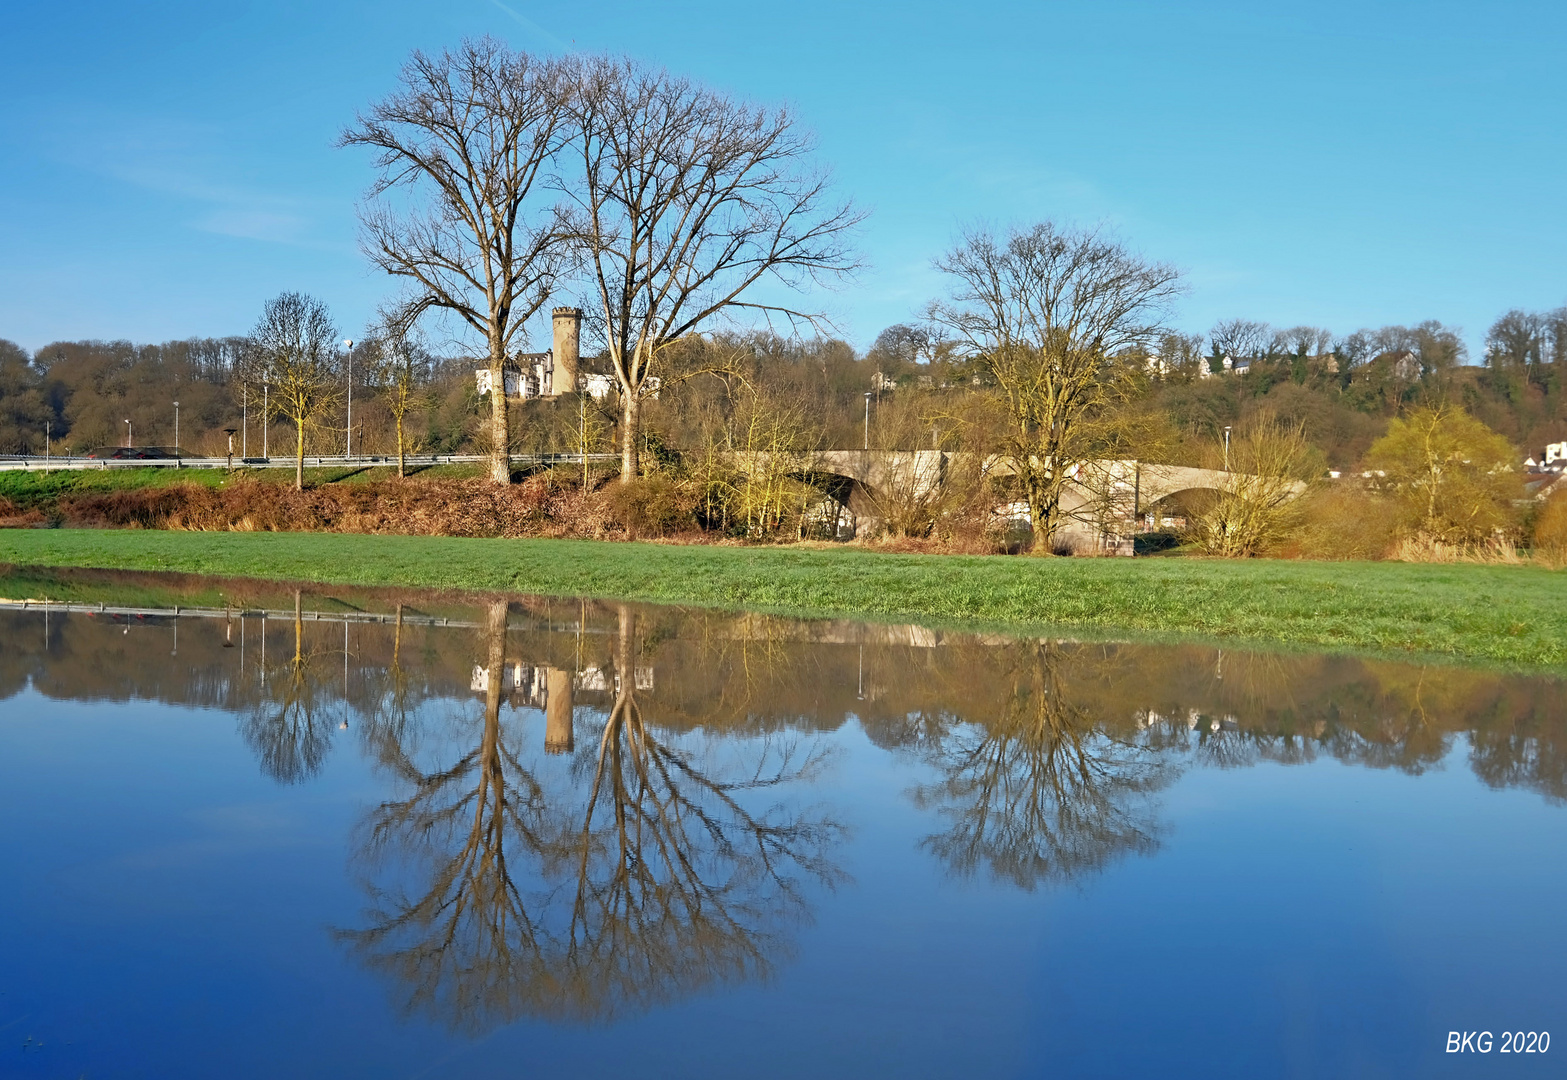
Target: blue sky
168	167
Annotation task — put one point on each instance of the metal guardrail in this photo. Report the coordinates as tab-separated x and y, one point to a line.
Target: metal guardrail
12	463
284	615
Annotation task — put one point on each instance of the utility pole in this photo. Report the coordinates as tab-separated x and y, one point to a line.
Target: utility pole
867	419
349	346
266	415
244	421
127	435
1226	447
48	424
177	461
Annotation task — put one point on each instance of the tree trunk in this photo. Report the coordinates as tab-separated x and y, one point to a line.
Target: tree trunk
401	457
500	431
299	455
1044	514
630	431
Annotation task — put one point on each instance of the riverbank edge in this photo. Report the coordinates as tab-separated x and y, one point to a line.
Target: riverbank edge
1513	618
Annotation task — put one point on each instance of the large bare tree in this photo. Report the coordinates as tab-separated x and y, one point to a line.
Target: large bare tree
465	141
293	352
1045	311
686	200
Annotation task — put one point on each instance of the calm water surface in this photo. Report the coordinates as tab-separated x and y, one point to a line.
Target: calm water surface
415	835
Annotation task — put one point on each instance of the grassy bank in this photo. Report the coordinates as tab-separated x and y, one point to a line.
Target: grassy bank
1514	616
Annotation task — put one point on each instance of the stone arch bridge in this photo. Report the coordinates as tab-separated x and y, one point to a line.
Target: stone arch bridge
1107	502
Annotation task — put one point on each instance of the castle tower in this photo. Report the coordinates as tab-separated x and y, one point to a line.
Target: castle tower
557	711
567	350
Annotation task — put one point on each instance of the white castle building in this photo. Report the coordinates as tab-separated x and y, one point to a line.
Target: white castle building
551	373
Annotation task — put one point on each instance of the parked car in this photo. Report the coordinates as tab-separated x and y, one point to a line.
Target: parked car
136	453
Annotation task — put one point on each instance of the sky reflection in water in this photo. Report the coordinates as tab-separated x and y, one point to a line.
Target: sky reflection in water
560	835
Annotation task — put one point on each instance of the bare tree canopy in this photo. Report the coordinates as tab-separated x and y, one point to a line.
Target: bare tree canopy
1302	341
1045	311
1526	341
686	200
293	352
1239	338
466	139
400	367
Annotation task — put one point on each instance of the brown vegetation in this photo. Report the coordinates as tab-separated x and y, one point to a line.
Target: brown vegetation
14	517
1344	520
541	506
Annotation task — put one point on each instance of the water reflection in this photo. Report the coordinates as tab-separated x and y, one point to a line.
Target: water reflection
287	726
650	881
592	809
1038	787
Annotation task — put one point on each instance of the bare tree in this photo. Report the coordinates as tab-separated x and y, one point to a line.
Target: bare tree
1180	357
467	138
1238	338
293	351
1045	311
400	368
1258	505
1301	341
1529	344
686	200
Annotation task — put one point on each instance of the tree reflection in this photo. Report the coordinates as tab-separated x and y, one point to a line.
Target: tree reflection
1041	790
660	879
286	727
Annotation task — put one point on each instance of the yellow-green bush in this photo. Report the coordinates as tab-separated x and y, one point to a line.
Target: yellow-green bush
1550	531
1453	480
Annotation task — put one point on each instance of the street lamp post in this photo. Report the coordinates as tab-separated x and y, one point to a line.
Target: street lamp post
244	421
128	435
1226	448
266	417
867	419
348	345
48	425
177	461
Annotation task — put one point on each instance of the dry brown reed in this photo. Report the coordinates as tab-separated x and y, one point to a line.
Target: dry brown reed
1499	551
539	506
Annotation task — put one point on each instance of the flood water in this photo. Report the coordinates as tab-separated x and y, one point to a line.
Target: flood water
418	835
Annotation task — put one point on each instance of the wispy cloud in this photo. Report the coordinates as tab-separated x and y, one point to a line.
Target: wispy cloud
533	28
185	163
263	225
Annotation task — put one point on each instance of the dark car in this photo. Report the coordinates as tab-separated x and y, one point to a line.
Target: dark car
136	453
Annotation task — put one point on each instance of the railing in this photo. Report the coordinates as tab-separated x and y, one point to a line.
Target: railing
15	463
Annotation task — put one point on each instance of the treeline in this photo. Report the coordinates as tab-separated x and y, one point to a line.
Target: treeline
81	393
1342	388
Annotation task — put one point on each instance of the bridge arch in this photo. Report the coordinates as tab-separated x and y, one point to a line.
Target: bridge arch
1118	493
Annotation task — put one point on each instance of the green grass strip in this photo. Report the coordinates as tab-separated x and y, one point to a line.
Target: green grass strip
1510	616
